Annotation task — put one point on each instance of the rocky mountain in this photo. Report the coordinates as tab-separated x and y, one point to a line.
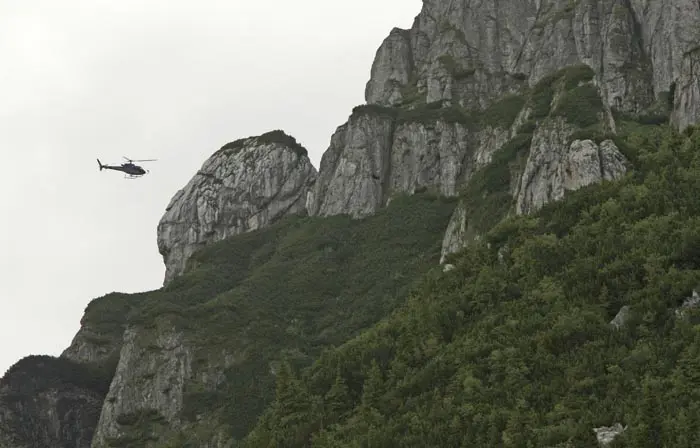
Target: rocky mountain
246	185
480	111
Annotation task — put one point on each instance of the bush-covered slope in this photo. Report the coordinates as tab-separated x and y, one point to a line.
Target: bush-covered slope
514	347
283	292
50	402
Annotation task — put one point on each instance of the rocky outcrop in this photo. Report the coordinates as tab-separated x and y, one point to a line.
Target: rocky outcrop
392	68
382	152
48	402
686	91
456	232
246	185
622	317
147	387
607	434
555	167
354	170
472	52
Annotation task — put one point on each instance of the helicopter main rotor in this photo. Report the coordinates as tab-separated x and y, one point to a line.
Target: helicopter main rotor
143	160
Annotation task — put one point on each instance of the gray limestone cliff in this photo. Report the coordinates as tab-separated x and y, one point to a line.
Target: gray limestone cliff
471	52
453	90
507	105
246	185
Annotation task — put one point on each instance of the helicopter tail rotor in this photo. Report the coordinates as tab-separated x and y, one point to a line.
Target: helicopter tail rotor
100	163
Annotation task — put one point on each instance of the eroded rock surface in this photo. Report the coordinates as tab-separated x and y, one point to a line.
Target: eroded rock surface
555	167
48	402
147	385
246	185
471	52
355	168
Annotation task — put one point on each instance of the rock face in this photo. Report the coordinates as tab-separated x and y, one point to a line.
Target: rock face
555	167
48	402
150	376
244	186
607	434
375	155
464	56
471	52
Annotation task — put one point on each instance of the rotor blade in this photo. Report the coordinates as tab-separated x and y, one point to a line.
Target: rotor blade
145	160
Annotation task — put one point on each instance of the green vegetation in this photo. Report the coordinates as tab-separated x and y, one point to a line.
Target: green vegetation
140	428
285	293
502	113
271	137
432	112
513	347
580	106
425	113
39	373
572	81
487	196
374	110
453	67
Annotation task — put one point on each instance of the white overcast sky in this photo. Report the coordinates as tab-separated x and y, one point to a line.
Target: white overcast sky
172	80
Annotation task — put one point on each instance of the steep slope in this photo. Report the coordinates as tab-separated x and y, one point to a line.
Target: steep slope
472	52
470	78
246	185
505	107
198	357
520	342
48	402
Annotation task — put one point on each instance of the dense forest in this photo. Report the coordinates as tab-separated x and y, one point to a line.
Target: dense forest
515	346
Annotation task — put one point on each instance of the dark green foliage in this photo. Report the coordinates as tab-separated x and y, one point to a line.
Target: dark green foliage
38	373
580	106
573	83
282	294
433	112
541	97
514	347
276	136
453	68
107	317
503	112
40	394
487	196
138	428
374	110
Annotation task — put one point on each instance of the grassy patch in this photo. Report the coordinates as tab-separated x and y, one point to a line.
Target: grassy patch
276	136
374	110
487	196
454	68
568	79
410	94
39	373
580	106
503	112
140	428
432	112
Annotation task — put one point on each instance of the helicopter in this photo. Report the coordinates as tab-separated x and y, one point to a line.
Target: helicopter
132	171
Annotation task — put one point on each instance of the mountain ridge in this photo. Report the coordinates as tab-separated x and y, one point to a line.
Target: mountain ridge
464	125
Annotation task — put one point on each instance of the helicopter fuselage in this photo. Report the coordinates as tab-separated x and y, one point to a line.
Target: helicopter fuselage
129	168
132	169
